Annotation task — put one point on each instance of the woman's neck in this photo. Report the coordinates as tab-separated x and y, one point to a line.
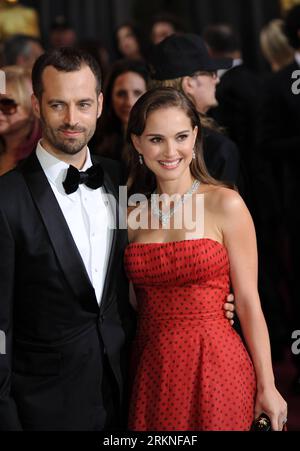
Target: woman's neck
171	187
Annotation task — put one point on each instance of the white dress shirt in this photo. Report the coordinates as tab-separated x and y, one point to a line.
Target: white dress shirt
87	214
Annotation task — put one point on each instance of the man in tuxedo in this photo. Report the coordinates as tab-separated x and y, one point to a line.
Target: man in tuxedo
65	319
64	305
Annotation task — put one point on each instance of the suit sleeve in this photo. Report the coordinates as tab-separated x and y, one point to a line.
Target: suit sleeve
274	137
229	169
221	157
9	419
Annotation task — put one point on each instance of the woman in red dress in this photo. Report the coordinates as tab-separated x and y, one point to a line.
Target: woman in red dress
190	370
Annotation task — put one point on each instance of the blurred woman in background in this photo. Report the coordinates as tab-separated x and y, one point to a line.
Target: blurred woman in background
131	42
275	46
19	129
125	83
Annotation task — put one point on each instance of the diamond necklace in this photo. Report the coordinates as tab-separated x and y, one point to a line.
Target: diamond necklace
164	217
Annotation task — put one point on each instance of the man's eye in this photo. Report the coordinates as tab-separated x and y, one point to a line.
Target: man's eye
57	106
84	105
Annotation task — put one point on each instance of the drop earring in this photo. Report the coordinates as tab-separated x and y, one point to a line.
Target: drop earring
141	159
194	154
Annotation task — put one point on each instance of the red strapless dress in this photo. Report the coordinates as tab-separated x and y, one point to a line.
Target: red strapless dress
189	369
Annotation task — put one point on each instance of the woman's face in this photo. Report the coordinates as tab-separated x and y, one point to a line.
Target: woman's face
127	42
161	30
13	116
128	87
167	143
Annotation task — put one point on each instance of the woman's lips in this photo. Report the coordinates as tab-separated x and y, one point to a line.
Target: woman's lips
170	164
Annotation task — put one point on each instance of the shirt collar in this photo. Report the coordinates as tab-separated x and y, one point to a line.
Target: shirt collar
56	169
235	63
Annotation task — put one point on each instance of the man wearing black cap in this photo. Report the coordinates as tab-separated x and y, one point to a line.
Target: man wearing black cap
182	61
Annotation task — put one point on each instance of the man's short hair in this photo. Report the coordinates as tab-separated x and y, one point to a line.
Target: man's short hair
221	38
66	59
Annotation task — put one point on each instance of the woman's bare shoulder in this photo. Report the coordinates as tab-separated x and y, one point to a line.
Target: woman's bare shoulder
222	199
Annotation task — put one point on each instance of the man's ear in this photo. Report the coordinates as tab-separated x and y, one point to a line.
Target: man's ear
35	106
136	141
100	104
188	84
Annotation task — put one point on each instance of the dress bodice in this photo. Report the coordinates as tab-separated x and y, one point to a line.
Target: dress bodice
189	277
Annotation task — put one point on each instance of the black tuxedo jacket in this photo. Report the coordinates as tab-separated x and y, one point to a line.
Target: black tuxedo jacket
237	94
279	136
57	337
221	156
279	129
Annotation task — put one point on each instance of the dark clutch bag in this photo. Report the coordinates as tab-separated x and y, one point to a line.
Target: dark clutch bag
262	423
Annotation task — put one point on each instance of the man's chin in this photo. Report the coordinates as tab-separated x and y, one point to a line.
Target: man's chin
71	150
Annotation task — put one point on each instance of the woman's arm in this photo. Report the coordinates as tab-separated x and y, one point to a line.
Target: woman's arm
240	241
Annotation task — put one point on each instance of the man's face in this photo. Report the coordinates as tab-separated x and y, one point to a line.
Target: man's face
68	110
202	90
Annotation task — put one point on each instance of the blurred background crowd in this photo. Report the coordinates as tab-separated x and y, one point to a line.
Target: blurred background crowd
249	111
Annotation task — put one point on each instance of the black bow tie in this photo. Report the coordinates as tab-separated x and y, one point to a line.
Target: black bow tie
92	177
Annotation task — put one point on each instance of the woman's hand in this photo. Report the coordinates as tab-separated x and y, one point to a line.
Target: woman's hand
270	402
229	308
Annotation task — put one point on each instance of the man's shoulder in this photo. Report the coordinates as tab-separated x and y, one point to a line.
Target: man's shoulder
114	169
284	75
238	72
288	70
108	164
219	141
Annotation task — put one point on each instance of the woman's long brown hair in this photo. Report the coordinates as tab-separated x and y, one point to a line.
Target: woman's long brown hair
141	179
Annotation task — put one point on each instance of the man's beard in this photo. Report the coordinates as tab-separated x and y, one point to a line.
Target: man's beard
69	146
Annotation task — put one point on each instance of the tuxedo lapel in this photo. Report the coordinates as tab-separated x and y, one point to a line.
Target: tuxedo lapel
60	236
108	186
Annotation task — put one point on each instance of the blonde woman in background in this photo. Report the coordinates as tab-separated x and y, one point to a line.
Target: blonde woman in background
19	130
275	46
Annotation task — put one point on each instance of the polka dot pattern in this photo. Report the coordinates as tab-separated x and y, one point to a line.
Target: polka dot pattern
189	368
